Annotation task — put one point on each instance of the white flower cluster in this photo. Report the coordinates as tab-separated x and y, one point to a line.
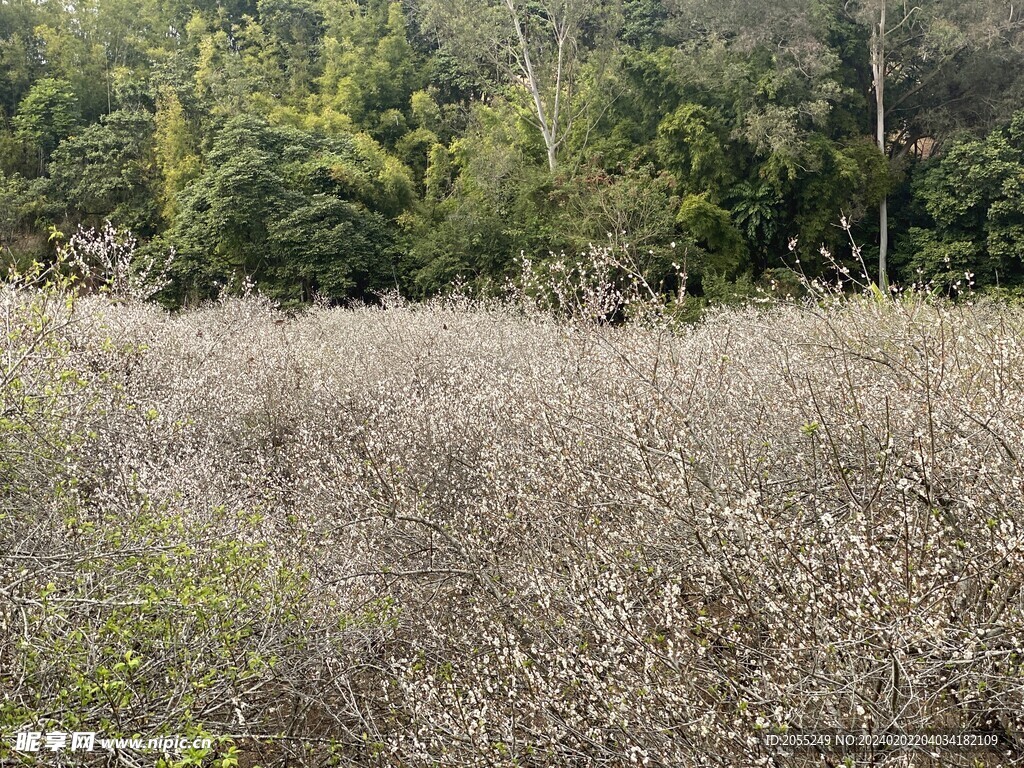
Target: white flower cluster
106	259
525	541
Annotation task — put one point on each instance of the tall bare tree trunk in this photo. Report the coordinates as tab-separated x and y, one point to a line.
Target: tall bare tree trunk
878	70
548	124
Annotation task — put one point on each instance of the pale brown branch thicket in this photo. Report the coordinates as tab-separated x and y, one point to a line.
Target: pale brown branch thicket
469	535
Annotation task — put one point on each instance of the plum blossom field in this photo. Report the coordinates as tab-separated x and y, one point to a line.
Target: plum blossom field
462	534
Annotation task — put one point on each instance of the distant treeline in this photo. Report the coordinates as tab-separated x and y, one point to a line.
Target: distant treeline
339	148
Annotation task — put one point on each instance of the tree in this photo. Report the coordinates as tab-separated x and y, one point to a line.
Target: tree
174	151
225	79
297	212
331	247
106	171
104	48
878	77
370	70
975	198
487	198
294	30
722	249
633	210
20	59
21	201
914	49
540	46
47	114
913	54
692	142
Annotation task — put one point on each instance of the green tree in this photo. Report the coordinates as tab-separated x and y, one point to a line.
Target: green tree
20	58
912	53
294	31
692	142
225	79
914	49
47	115
22	201
541	48
487	198
297	212
370	70
975	198
174	151
721	248
106	171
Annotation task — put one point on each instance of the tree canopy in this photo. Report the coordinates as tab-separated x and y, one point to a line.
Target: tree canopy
340	148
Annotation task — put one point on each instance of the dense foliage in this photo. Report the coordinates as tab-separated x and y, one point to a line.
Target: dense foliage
343	147
454	535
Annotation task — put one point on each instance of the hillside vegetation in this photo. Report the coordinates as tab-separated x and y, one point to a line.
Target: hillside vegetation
460	534
337	148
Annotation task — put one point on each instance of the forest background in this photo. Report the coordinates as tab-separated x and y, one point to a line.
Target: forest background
339	148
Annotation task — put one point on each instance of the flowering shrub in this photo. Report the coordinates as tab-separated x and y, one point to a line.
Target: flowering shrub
106	259
605	284
465	535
